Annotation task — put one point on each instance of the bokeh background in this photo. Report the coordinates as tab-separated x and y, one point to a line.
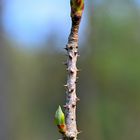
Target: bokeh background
32	37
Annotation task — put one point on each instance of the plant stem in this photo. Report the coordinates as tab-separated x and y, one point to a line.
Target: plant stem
71	97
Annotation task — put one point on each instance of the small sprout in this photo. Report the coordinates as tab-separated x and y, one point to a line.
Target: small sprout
60	120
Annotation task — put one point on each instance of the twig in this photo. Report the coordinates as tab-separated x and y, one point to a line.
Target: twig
77	7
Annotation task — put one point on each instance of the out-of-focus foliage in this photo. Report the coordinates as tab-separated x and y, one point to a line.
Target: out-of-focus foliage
108	86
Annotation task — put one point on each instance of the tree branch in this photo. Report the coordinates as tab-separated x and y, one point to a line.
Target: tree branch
77	7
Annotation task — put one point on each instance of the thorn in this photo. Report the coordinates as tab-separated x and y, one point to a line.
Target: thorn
67	69
79	132
78	70
77	99
66	48
70	56
66	85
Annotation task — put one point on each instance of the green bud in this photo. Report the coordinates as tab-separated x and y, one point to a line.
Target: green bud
77	7
59	117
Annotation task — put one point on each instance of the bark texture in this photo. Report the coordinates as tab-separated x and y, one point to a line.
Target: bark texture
71	97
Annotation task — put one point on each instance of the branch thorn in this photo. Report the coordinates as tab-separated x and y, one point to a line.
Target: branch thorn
66	85
77	99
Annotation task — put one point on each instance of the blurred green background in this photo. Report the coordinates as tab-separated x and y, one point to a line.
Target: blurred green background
32	78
